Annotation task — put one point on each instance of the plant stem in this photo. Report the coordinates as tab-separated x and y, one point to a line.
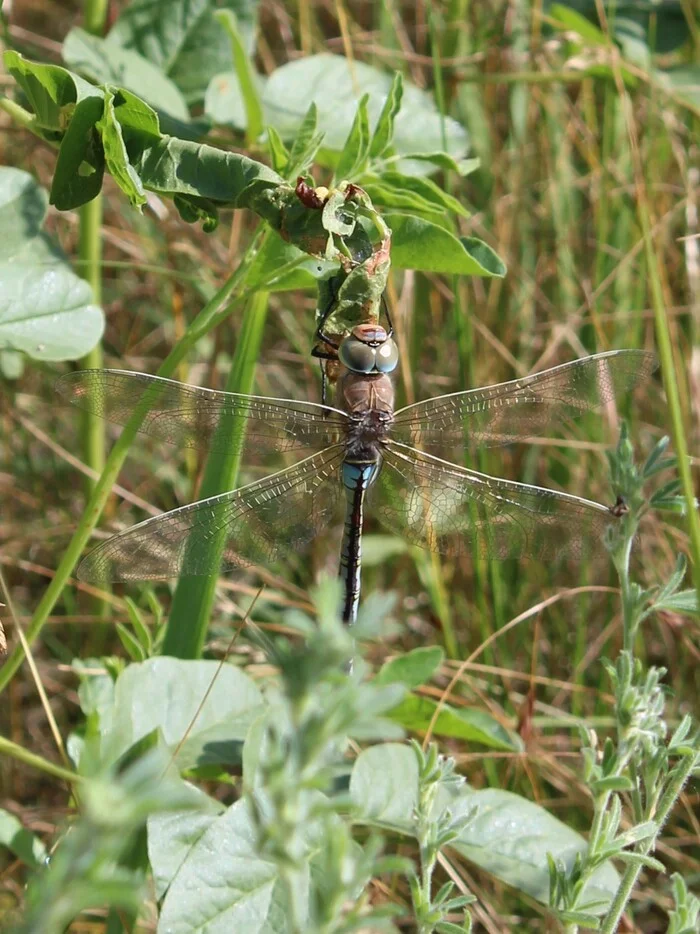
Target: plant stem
90	253
209	317
629	880
194	596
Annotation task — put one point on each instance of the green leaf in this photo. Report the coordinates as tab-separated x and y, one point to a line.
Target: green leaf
23	206
507	836
246	75
25	846
395	199
141	630
441	160
353	158
223	883
685	601
279	154
172	166
426	189
412	669
224	102
80	165
420	244
172	835
133	113
566	18
383	135
416	713
108	63
305	145
684	80
131	644
202	709
267	271
116	155
50	89
376	548
334	86
46	311
182	38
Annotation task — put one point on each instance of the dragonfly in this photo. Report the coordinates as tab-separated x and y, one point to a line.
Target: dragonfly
361	452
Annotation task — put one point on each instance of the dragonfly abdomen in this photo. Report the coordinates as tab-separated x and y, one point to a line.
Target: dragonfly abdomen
357	476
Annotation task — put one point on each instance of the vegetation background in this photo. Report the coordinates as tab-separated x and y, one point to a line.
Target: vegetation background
557	197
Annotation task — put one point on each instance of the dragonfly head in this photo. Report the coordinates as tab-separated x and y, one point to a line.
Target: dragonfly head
369	349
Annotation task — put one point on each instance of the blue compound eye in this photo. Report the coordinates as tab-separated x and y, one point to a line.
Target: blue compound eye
357	356
387	356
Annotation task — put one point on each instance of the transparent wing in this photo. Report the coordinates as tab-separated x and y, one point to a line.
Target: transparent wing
252	525
452	510
189	415
522	408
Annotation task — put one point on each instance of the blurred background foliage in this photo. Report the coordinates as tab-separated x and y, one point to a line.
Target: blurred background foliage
528	89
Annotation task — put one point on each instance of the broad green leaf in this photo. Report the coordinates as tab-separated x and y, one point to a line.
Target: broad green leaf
46	311
182	38
335	87
245	71
224	103
172	835
108	63
116	155
80	164
175	166
412	669
353	157
510	837
23	206
134	113
201	708
222	885
25	846
415	713
507	836
419	244
384	130
50	89
685	601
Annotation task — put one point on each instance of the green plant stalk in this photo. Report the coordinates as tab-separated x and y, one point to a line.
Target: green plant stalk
8	748
209	317
246	78
194	596
629	880
90	253
95	16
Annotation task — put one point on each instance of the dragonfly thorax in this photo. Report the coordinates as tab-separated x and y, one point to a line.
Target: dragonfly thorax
369	401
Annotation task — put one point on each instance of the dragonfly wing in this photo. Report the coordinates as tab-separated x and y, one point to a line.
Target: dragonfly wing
522	408
453	510
251	525
189	416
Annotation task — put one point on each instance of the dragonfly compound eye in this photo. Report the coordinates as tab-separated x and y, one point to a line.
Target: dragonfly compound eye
387	356
357	356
